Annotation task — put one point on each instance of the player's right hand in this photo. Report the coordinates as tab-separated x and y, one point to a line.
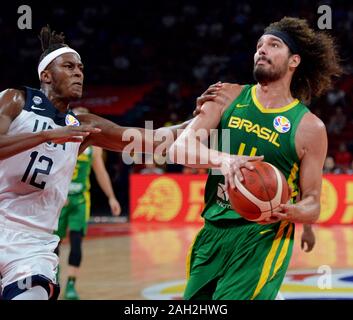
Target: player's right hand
230	166
69	134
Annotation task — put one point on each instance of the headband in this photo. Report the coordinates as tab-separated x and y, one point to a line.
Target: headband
51	56
286	38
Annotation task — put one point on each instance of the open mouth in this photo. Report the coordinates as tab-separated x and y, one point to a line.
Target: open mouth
263	61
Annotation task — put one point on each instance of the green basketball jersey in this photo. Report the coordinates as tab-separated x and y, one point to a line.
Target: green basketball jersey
80	180
254	130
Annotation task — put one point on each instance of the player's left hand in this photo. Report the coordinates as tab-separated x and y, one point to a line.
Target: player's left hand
287	211
269	220
115	206
308	239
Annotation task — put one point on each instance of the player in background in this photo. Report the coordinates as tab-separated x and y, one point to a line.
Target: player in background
233	258
75	214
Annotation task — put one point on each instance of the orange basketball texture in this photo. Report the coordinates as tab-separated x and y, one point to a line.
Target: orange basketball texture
262	190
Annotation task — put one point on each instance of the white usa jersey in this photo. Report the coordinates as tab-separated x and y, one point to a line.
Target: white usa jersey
34	183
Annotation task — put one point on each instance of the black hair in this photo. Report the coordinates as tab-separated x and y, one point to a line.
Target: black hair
320	63
50	41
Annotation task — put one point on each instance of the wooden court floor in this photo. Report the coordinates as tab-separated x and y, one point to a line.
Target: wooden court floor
124	261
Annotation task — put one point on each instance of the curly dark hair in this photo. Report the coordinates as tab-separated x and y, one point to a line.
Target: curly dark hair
320	61
50	41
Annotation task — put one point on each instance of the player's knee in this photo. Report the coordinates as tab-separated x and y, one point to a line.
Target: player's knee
19	287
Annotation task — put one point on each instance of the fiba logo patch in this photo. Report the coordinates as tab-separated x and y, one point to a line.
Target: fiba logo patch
281	124
71	121
37	100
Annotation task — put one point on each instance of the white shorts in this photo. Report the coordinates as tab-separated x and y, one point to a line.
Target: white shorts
24	253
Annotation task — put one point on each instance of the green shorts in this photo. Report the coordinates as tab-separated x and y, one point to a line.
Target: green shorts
75	214
239	260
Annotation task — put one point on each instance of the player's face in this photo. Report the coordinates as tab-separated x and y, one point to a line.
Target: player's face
67	76
271	59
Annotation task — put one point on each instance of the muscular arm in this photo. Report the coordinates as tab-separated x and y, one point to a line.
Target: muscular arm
115	138
11	104
311	145
188	149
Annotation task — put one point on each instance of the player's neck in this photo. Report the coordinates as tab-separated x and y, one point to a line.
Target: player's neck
274	95
61	104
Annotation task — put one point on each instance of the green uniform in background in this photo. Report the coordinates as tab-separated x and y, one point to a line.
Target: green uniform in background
76	212
233	258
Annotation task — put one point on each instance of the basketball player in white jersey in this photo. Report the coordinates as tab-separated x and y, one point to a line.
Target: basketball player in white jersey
39	142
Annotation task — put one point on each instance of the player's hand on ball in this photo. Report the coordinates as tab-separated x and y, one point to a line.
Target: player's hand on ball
231	165
269	220
289	212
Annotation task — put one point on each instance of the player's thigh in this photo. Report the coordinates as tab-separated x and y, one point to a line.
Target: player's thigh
257	271
30	254
204	264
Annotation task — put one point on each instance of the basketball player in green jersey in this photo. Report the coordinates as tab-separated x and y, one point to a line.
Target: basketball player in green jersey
308	238
75	214
233	258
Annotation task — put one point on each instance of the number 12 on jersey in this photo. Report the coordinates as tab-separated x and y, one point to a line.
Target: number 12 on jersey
36	171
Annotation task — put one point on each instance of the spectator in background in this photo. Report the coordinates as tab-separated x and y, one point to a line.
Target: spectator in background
329	165
343	158
350	169
337	121
335	96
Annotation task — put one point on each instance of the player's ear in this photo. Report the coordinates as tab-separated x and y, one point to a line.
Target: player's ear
45	77
294	60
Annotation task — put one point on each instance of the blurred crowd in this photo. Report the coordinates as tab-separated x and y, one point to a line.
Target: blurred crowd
182	46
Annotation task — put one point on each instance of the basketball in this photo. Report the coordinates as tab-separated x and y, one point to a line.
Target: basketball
262	191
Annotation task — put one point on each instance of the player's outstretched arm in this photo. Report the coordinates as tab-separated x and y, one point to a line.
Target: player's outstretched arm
11	104
117	138
311	145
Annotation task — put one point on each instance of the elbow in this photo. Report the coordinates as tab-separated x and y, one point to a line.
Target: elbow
316	215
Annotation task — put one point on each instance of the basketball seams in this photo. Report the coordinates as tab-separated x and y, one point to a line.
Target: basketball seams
264	206
278	196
